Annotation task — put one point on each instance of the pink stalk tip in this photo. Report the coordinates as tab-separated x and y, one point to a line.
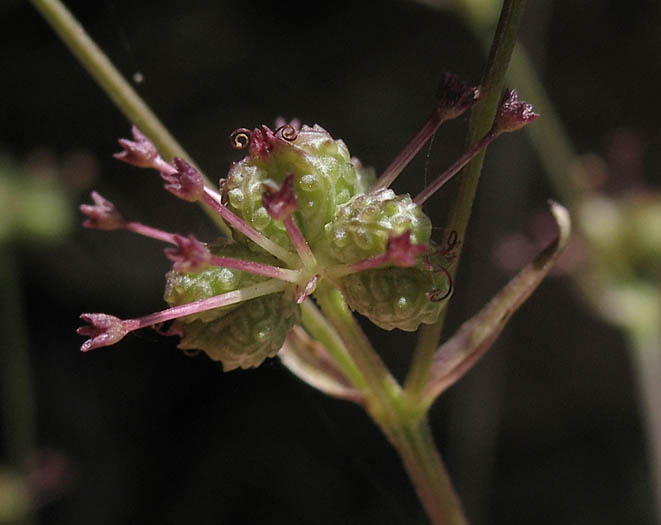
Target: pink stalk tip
281	203
103	330
401	252
190	255
454	96
185	182
513	114
140	151
102	215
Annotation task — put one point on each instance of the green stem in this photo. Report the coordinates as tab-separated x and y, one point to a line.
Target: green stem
382	386
483	114
116	87
319	328
403	423
481	121
549	137
415	444
418	376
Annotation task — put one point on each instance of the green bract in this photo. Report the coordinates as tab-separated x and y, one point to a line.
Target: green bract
400	297
361	227
324	178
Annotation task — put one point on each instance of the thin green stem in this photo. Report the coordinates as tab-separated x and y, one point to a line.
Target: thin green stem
483	114
319	327
548	135
382	386
413	440
481	122
418	376
116	87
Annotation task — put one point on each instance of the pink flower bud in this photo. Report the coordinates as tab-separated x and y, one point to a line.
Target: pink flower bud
262	141
186	182
281	203
140	152
104	330
102	215
454	96
190	255
513	114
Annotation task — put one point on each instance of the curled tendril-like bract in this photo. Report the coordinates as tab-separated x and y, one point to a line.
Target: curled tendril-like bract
287	132
240	138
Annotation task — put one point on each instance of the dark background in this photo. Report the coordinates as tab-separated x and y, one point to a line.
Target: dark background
545	430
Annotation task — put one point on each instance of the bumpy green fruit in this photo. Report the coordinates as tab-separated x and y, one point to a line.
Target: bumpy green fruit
362	226
399	297
244	337
324	178
186	287
239	335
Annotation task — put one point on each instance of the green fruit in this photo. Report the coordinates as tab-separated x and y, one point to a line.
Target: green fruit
186	287
239	335
246	336
324	178
399	297
362	227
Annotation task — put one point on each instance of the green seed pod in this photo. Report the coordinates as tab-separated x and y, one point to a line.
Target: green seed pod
362	227
239	335
244	337
186	287
324	178
400	297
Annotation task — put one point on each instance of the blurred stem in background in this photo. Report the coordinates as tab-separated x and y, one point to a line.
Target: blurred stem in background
34	209
16	382
631	302
19	412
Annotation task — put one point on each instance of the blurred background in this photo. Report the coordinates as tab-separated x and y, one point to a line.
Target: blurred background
548	428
